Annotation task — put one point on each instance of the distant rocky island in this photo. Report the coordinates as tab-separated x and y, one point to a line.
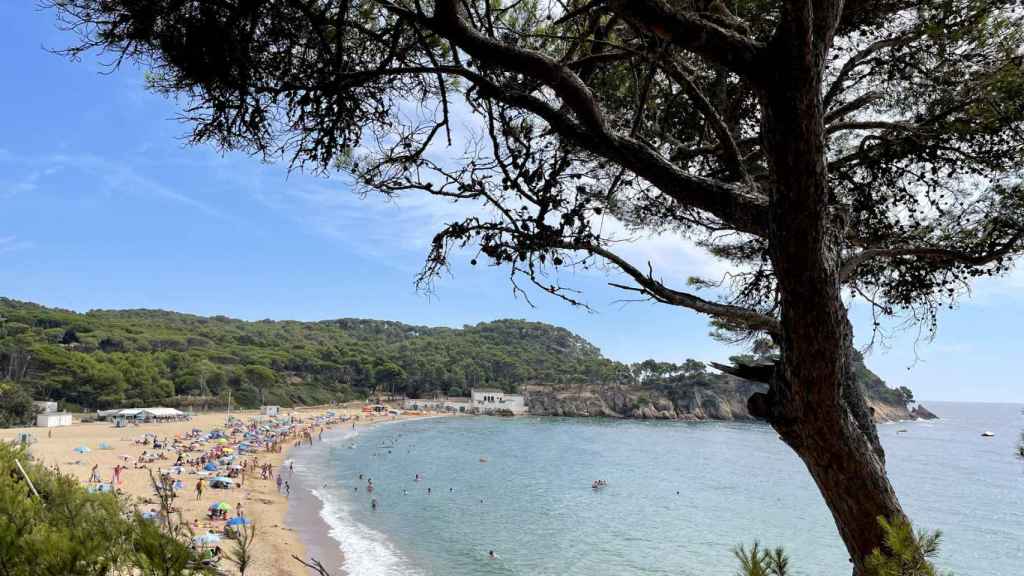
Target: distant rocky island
118	358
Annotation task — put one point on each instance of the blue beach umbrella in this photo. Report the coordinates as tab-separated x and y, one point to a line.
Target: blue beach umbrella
238	521
210	466
83	450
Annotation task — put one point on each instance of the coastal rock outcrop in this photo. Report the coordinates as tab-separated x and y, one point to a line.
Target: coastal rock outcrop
723	401
922	413
725	398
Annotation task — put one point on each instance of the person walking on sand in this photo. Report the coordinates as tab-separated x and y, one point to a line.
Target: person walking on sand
280	481
199	489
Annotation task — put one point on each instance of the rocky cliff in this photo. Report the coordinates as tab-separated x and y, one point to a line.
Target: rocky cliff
723	399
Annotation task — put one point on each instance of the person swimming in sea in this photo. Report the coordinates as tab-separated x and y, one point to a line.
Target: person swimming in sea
373	503
492	555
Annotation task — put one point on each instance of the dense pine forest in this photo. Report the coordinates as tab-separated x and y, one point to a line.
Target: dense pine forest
132	357
107	358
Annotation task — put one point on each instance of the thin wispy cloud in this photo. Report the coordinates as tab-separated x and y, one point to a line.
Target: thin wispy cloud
10	244
106	175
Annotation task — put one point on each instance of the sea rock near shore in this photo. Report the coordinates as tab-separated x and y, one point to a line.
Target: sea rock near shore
922	413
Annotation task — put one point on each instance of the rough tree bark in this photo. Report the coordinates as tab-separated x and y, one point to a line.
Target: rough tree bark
814	402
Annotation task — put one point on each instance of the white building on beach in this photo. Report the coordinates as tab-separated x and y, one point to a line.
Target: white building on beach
53	419
438	404
488	400
480	401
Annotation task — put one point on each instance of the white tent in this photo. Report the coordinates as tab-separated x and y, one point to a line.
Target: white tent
160	413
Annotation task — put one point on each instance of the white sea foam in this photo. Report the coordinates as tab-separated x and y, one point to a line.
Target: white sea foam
366	551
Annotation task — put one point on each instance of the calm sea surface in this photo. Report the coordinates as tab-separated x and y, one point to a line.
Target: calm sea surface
679	495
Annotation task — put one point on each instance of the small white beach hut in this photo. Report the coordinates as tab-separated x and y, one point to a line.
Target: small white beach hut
53	419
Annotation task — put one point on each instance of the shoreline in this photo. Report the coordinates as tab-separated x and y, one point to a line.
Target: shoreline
305	509
276	539
303	516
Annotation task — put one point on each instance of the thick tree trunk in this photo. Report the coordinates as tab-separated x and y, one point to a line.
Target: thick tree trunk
813	401
838	444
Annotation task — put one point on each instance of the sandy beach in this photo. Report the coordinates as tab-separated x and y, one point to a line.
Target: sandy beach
275	541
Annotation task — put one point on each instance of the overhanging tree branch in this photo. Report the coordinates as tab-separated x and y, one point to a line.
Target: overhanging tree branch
750	319
694	34
933	254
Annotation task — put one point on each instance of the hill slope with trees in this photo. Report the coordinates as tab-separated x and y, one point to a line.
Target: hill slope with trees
107	358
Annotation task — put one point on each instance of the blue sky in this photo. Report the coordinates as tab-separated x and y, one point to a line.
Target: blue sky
103	206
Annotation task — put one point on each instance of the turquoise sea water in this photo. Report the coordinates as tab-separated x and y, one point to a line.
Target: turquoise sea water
679	495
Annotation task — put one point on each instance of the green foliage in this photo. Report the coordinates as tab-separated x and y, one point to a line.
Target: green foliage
241	553
904	552
760	562
15	405
70	532
145	357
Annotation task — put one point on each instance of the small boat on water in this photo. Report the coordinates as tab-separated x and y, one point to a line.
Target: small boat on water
987	434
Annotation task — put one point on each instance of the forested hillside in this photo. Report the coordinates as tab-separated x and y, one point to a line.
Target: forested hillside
107	358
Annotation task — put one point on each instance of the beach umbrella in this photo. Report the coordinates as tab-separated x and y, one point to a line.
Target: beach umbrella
83	450
149	515
221	440
221	479
210	466
208	538
220	506
229	450
235	467
105	446
238	521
